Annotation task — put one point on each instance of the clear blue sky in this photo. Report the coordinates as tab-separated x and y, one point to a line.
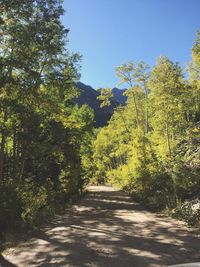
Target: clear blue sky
108	33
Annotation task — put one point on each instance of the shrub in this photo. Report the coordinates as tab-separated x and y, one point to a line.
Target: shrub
188	211
10	206
35	203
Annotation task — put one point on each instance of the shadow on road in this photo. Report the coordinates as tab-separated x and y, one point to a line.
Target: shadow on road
107	229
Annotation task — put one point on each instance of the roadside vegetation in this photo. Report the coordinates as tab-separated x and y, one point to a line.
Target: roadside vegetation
151	145
49	148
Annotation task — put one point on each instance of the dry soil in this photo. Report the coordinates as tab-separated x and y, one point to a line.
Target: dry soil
107	229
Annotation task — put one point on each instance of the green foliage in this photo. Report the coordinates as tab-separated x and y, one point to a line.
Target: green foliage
151	145
48	149
188	211
167	94
44	136
35	202
105	96
136	77
186	167
194	79
10	207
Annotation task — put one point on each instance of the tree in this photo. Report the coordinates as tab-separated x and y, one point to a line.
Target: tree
42	132
36	71
105	96
158	162
136	76
167	94
194	78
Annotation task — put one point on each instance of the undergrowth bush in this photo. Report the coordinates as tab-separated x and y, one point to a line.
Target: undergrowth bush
31	203
188	211
10	206
161	193
36	202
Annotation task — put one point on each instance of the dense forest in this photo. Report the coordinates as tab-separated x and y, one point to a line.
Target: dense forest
151	145
43	134
49	147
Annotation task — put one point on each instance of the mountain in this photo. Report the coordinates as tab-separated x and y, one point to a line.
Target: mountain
118	95
88	95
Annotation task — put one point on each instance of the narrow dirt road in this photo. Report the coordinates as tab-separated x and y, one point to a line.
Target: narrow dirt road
106	229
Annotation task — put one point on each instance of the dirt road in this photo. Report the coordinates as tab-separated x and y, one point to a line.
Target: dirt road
106	229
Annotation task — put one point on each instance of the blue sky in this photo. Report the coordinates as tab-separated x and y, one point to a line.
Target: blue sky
108	33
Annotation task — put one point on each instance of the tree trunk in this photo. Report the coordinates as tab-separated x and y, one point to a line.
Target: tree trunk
136	110
2	149
168	140
122	116
3	141
146	111
21	170
15	163
146	115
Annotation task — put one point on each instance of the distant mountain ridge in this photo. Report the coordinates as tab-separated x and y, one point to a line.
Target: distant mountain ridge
118	95
88	95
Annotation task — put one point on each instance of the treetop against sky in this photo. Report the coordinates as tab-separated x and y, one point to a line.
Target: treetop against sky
109	33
